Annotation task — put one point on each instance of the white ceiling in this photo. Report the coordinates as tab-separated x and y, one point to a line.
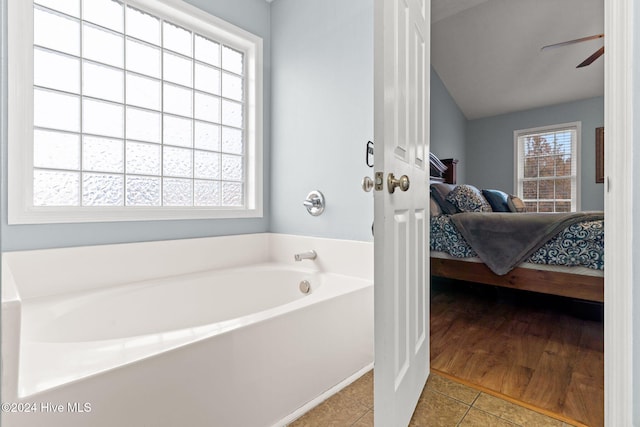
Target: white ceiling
487	52
441	9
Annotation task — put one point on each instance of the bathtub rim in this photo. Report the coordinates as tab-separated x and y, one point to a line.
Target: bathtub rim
334	255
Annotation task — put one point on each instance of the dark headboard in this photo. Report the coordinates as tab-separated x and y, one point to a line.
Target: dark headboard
448	176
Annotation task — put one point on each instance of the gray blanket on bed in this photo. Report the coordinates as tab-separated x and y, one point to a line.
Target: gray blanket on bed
504	240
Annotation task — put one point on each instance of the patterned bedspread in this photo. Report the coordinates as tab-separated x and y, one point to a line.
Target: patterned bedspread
581	244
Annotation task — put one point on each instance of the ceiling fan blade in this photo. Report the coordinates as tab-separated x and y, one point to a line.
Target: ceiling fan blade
597	54
583	39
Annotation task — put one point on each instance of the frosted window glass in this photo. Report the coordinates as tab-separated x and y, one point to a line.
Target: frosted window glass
177	100
70	7
56	110
232	86
102	154
143	92
56	32
207	107
102	118
102	82
231	113
207	51
143	26
177	192
177	69
232	60
107	13
177	162
207	136
143	159
56	71
206	193
207	79
143	125
56	188
207	165
176	39
56	150
158	114
143	191
232	140
102	46
102	190
177	131
232	194
143	58
231	168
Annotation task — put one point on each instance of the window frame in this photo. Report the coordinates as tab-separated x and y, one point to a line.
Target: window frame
21	209
576	144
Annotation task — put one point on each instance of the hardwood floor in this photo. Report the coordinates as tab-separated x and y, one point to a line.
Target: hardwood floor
545	351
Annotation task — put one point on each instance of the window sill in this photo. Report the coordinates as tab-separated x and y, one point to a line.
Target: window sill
59	215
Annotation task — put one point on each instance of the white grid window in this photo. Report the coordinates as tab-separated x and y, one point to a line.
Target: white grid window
132	109
547	168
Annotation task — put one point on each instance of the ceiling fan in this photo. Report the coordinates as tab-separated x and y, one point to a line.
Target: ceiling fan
597	54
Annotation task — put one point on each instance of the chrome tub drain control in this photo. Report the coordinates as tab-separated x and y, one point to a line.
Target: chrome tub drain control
305	287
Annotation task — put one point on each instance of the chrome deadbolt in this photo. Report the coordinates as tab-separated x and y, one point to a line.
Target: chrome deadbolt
402	182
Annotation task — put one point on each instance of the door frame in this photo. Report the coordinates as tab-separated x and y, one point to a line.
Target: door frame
621	56
618	205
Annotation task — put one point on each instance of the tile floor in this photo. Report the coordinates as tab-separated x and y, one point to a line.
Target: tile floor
443	403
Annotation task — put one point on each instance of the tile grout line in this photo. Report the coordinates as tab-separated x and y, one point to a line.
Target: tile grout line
476	398
469	409
464	416
361	417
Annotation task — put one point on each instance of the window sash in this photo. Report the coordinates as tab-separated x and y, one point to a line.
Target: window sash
21	125
520	139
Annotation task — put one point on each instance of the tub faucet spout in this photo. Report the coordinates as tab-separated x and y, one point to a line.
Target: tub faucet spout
306	255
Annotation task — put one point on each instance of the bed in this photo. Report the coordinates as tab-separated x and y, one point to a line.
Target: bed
569	263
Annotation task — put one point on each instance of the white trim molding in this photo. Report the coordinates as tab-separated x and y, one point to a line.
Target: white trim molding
620	179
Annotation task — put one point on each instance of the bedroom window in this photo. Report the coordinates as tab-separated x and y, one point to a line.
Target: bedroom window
131	110
547	160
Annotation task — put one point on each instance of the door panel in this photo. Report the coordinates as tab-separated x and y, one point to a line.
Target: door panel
401	110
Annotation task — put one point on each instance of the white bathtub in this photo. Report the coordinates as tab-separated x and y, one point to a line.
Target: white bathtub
213	346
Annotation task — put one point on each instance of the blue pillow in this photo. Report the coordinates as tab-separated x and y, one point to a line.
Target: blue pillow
497	199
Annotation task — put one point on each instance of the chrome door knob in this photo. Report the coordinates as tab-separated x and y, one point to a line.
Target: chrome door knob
367	184
402	182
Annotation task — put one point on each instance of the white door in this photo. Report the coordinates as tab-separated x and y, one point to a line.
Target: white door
401	238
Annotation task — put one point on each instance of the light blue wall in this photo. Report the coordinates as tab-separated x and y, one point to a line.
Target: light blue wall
448	126
252	15
322	106
490	145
